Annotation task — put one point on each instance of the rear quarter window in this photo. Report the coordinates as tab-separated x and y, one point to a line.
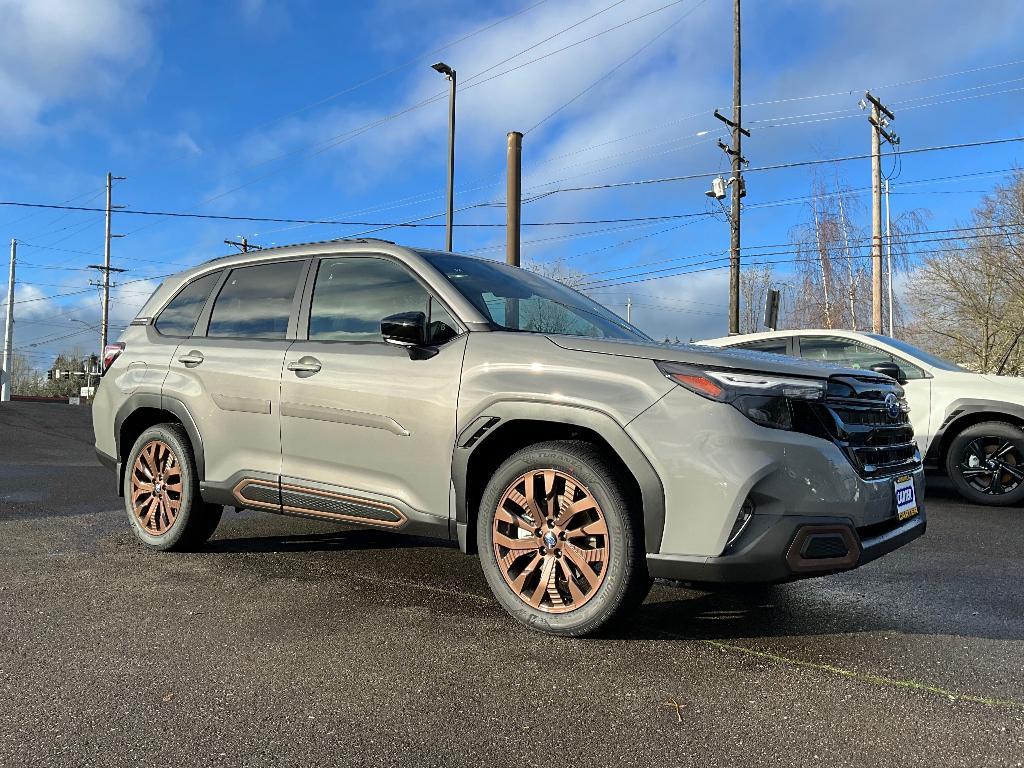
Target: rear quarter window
179	317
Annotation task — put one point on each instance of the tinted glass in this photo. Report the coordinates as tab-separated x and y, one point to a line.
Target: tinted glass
256	302
180	316
775	346
925	357
852	354
353	294
519	300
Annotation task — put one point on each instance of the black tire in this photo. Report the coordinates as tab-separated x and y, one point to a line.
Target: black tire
969	464
624	581
195	521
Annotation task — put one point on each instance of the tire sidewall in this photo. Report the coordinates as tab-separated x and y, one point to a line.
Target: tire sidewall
999	430
613	590
183	453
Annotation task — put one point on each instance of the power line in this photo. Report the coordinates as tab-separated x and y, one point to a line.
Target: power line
616	68
399	67
780	166
84	290
657	274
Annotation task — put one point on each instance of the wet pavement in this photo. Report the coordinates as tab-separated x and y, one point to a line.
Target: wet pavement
291	642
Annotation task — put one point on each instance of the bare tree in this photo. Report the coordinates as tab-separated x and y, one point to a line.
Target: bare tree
755	281
968	295
833	271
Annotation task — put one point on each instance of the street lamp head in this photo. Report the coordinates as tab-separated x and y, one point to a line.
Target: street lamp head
443	68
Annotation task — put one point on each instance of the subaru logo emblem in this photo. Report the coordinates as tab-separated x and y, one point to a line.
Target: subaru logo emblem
893	406
550	540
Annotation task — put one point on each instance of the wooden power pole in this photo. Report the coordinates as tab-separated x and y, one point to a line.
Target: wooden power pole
106	269
736	182
879	117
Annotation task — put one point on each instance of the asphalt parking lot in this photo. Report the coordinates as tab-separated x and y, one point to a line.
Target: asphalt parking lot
289	642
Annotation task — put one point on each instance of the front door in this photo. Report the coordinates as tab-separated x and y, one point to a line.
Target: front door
367	432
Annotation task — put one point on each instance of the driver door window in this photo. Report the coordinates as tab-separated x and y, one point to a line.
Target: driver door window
849	353
353	294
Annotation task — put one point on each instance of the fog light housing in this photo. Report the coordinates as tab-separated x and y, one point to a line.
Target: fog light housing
742	521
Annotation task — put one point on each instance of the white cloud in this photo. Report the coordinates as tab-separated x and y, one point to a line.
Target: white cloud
53	52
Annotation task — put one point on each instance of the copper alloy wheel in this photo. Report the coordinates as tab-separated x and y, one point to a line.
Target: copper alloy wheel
156	488
551	541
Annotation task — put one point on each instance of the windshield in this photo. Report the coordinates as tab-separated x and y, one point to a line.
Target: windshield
519	300
925	357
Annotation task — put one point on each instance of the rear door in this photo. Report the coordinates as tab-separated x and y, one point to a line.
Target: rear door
362	423
228	374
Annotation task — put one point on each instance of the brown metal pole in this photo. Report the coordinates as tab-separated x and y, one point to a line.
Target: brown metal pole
513	197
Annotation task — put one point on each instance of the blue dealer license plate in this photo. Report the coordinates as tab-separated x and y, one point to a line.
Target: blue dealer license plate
906	498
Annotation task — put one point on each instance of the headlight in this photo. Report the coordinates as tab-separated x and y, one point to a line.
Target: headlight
765	399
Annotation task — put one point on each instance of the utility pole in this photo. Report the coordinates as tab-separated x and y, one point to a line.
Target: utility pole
106	268
6	385
448	72
879	117
513	197
629	309
243	245
736	182
888	252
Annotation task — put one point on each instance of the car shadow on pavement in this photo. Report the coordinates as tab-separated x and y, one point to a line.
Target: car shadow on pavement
339	540
794	609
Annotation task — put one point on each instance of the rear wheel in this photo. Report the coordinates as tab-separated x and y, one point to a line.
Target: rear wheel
985	462
559	543
161	492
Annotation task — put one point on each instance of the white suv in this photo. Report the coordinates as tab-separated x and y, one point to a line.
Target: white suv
969	425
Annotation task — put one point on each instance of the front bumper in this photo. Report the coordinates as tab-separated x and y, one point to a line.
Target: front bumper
789	547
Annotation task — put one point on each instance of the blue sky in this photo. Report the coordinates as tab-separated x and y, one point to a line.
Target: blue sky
258	108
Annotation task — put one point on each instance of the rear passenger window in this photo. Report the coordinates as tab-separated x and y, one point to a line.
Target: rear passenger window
353	294
256	302
774	346
180	316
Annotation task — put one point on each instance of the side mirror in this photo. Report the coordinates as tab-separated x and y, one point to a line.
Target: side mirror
409	330
406	329
891	370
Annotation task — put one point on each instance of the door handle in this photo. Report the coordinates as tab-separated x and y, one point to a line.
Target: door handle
305	366
192	359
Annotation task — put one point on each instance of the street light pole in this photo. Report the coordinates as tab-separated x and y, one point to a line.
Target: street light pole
448	72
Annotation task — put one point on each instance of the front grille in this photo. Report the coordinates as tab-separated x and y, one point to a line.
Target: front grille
857	418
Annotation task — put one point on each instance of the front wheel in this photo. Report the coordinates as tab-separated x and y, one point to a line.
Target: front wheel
560	545
985	463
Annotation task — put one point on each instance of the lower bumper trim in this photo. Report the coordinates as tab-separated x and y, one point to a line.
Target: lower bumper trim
775	552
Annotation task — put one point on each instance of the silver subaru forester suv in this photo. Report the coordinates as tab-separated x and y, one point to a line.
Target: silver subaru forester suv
364	383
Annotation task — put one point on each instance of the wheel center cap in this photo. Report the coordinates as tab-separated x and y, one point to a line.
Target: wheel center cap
158	487
550	540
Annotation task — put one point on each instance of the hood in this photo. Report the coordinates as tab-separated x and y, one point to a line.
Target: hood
711	357
1008	389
